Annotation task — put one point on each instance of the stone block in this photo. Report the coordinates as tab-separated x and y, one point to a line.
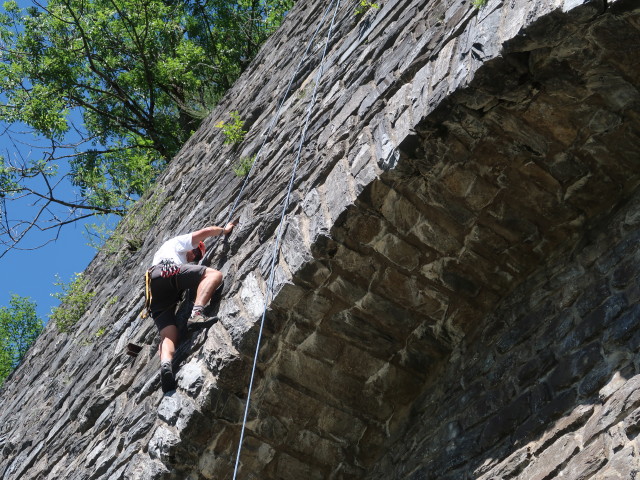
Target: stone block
509	467
255	455
288	466
354	326
397	251
574	367
624	326
535	368
587	461
330	384
504	420
624	274
430	231
346	290
190	378
162	444
596	321
548	461
546	414
320	451
400	212
595	379
622	401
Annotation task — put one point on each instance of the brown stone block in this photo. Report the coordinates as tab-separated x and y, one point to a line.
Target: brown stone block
318	450
504	218
288	405
393	385
464	182
399	211
397	251
371	444
340	424
256	455
542	178
388	315
358	363
422	354
359	227
345	289
486	242
359	266
291	467
330	383
587	194
355	327
565	166
316	306
320	346
490	275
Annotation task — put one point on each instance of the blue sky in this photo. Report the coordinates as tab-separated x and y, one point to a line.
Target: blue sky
33	273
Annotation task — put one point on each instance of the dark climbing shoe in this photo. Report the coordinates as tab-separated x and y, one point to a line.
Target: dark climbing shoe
166	377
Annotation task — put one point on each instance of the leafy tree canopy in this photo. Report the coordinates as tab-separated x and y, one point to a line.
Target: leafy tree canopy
108	91
19	327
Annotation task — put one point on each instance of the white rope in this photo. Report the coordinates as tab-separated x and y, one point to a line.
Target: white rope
276	246
272	124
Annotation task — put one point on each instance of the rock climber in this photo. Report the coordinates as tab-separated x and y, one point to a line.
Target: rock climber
171	274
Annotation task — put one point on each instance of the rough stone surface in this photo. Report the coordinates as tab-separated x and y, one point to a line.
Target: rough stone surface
456	291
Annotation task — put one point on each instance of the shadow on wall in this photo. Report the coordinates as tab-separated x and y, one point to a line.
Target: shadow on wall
550	387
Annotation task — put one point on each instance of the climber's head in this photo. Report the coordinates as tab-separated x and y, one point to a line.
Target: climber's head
197	253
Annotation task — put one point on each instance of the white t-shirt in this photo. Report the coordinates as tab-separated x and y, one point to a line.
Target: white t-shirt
174	249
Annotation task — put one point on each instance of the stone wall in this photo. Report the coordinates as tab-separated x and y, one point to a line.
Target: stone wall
549	385
457	161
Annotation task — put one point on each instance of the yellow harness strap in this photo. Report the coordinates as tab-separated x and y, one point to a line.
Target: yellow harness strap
147	295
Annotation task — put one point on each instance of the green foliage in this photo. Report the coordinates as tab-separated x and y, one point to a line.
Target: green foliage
74	301
19	327
114	88
112	301
100	332
130	233
232	130
364	6
242	167
479	3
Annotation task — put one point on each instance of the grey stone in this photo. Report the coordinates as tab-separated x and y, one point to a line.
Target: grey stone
191	378
455	295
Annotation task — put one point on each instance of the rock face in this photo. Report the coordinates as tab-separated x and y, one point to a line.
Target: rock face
456	291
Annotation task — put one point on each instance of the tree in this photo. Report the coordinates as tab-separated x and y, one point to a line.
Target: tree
19	327
110	90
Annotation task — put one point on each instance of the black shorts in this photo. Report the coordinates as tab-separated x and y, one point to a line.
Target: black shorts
167	292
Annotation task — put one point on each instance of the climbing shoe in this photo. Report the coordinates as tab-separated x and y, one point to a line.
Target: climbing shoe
199	317
166	377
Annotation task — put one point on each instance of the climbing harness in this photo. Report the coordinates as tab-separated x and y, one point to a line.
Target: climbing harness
276	247
146	311
168	268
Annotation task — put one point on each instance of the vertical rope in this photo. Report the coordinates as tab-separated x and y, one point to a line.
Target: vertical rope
271	126
276	246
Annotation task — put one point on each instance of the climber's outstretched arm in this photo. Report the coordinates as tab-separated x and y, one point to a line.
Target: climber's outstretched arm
213	231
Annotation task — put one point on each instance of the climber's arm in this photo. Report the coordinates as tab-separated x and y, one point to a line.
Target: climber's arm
213	231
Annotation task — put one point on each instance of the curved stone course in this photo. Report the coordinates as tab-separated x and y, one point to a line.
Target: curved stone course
456	288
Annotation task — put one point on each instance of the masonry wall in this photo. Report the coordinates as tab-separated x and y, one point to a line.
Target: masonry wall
455	158
549	385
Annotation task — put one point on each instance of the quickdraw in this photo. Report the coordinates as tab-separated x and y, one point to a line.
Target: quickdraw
146	311
168	268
